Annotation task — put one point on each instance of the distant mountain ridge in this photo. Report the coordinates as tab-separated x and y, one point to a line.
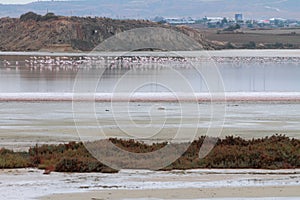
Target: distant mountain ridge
167	8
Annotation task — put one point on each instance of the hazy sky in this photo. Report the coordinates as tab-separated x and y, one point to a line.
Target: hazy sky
15	1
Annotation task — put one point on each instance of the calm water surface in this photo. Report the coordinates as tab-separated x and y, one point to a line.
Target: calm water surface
24	123
237	77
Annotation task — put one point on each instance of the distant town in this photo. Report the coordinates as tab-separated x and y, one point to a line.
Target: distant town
236	22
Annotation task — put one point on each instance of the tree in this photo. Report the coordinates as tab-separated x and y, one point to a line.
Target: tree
233	27
224	21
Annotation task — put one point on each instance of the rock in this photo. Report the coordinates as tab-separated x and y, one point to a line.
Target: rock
47	172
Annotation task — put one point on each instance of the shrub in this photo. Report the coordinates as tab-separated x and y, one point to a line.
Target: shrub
278	45
10	159
30	16
232	27
250	45
49	16
36	17
275	152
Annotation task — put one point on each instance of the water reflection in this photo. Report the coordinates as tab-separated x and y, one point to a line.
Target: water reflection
237	77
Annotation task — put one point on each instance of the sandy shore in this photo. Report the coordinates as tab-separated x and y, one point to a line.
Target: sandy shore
31	184
190	193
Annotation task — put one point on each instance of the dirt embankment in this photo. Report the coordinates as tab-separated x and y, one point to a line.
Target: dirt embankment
57	33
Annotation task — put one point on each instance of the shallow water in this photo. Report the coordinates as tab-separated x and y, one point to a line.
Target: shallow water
237	77
25	123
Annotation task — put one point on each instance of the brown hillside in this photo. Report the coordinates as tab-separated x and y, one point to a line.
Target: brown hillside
35	32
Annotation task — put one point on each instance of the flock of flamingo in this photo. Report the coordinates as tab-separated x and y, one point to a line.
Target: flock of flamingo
130	62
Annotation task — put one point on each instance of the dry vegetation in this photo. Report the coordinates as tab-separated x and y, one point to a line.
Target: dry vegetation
276	152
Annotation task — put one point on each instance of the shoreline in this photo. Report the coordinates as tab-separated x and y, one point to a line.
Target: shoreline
267	53
144	184
155	97
189	193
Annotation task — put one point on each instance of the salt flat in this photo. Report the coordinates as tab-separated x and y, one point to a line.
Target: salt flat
138	184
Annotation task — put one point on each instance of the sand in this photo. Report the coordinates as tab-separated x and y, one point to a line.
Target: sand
144	184
190	193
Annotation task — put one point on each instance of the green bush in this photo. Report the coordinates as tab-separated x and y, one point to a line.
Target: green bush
30	16
49	16
36	17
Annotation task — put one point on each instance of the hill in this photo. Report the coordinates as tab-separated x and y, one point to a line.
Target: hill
34	32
